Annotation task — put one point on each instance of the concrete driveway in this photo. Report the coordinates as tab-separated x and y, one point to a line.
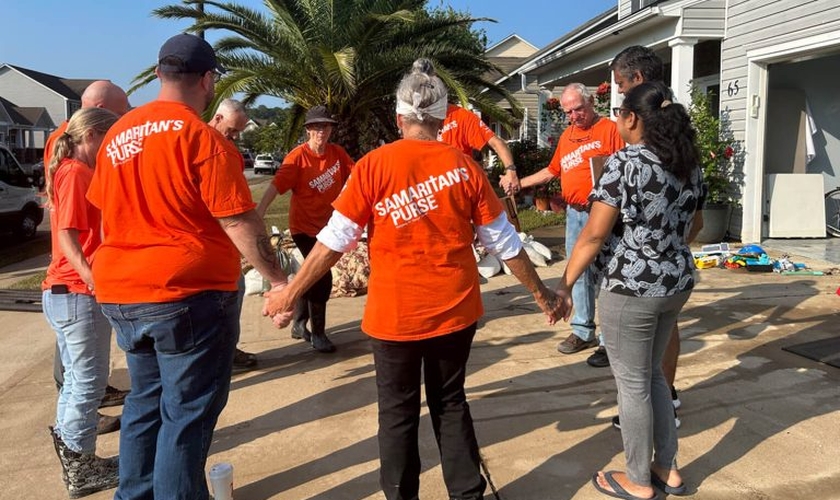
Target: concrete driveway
757	422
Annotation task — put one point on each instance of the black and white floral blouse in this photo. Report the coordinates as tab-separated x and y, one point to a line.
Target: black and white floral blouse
647	255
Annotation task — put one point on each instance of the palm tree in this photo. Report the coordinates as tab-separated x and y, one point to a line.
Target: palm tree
348	55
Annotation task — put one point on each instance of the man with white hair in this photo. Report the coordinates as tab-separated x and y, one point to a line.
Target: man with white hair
588	135
230	120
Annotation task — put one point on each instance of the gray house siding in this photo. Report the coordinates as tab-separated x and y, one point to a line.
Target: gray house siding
25	92
704	17
754	24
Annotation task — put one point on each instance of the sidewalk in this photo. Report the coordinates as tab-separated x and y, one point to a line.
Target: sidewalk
757	422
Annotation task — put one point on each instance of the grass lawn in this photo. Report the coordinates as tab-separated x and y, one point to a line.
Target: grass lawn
531	219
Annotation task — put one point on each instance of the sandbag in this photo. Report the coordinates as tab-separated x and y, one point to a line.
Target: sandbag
541	249
254	283
537	259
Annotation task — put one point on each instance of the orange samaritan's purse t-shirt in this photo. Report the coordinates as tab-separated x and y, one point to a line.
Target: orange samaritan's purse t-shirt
163	178
571	158
71	210
420	200
464	130
315	181
48	146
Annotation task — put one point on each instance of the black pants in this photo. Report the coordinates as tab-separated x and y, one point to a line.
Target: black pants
320	291
443	360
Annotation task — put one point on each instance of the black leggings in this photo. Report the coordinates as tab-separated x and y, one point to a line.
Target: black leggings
320	291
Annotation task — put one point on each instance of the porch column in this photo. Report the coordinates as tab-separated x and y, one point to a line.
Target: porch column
682	68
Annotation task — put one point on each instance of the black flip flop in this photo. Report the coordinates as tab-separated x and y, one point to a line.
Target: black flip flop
671	490
618	491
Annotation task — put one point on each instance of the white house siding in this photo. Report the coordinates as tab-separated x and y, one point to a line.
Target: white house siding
704	17
624	7
752	25
25	92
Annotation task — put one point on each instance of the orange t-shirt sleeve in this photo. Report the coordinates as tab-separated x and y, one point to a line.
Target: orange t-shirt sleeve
488	206
224	189
554	164
354	202
478	134
72	212
287	175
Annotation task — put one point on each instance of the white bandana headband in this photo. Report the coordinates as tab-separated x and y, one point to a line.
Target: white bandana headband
437	109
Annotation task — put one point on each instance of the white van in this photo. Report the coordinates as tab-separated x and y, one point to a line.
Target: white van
20	209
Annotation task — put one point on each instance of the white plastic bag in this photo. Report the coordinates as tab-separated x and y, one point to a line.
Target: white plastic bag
254	283
537	259
489	266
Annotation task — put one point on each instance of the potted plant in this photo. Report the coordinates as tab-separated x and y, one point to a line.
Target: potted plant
717	159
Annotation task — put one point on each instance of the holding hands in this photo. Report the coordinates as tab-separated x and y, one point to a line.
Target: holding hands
279	305
564	301
510	183
550	304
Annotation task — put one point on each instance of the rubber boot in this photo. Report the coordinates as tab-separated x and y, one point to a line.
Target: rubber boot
318	319
299	319
86	473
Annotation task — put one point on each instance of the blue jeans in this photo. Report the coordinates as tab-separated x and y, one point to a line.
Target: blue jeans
84	344
179	358
583	292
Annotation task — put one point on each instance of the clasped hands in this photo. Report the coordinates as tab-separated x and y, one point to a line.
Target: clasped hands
510	183
279	305
556	304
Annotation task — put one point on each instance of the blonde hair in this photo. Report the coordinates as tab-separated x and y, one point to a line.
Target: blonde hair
82	121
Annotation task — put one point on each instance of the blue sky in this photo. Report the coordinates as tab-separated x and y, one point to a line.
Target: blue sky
117	39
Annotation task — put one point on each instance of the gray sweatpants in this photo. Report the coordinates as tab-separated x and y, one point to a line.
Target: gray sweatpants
636	332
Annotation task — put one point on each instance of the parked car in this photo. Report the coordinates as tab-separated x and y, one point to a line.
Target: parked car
20	209
266	164
249	159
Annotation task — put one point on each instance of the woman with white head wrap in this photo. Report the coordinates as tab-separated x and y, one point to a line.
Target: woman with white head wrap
423	201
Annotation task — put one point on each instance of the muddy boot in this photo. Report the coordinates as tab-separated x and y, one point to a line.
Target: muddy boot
318	317
56	440
299	319
86	473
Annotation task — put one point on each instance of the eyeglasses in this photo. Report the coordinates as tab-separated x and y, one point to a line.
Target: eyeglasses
217	77
618	111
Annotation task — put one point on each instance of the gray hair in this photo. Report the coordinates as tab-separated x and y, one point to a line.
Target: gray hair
421	89
230	106
580	89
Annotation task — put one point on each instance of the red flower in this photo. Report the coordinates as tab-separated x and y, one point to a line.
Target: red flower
603	89
728	152
552	103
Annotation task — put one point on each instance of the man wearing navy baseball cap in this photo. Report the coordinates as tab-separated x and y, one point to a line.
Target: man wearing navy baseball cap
176	212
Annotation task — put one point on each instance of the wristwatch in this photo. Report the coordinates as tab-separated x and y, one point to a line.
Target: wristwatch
511	167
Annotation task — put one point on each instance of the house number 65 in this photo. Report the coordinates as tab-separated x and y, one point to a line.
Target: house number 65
733	88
